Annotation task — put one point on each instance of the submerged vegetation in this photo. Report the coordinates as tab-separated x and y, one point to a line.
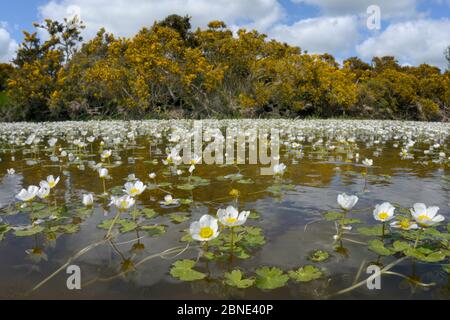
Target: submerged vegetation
329	207
169	70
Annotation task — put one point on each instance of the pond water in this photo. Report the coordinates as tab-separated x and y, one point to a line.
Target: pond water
295	219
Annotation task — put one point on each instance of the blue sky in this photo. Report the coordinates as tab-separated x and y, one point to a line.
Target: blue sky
415	31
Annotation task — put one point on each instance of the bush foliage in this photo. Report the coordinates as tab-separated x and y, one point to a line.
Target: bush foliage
170	70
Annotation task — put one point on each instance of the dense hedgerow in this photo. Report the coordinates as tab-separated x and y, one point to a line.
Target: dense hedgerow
170	70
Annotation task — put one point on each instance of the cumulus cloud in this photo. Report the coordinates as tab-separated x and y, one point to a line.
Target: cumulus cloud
125	17
7	46
389	8
412	42
336	35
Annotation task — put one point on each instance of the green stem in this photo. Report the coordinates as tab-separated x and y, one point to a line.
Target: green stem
108	235
418	237
232	243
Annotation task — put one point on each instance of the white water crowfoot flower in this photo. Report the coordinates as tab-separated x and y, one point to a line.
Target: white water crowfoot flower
347	202
106	154
103	173
88	200
43	192
28	195
122	203
404	224
11	171
231	217
50	183
134	189
169	201
367	162
384	212
152	175
426	217
205	229
279	169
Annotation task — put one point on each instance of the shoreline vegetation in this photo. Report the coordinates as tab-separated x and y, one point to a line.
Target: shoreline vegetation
170	70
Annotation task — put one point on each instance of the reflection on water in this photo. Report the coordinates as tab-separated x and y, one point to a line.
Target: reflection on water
323	159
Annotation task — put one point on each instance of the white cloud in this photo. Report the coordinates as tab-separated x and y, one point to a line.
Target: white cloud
336	35
389	8
8	46
412	42
126	17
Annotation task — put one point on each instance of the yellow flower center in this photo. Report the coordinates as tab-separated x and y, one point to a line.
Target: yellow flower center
231	220
423	217
383	215
206	232
123	204
134	191
51	184
405	224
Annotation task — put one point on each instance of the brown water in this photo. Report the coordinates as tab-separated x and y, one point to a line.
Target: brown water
291	219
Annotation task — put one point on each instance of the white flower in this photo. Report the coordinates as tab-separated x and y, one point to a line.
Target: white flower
231	217
347	202
43	192
404	224
52	142
28	194
106	154
134	189
367	162
424	216
191	168
168	201
103	173
384	212
179	172
11	171
122	203
279	169
195	160
88	200
152	175
205	229
50	183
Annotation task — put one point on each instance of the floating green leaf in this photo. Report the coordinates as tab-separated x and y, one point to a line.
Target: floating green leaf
374	231
333	215
154	231
400	246
178	218
183	270
4	229
378	247
187	187
149	213
234	279
446	268
423	256
246	181
319	256
29	232
127	225
306	274
270	278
